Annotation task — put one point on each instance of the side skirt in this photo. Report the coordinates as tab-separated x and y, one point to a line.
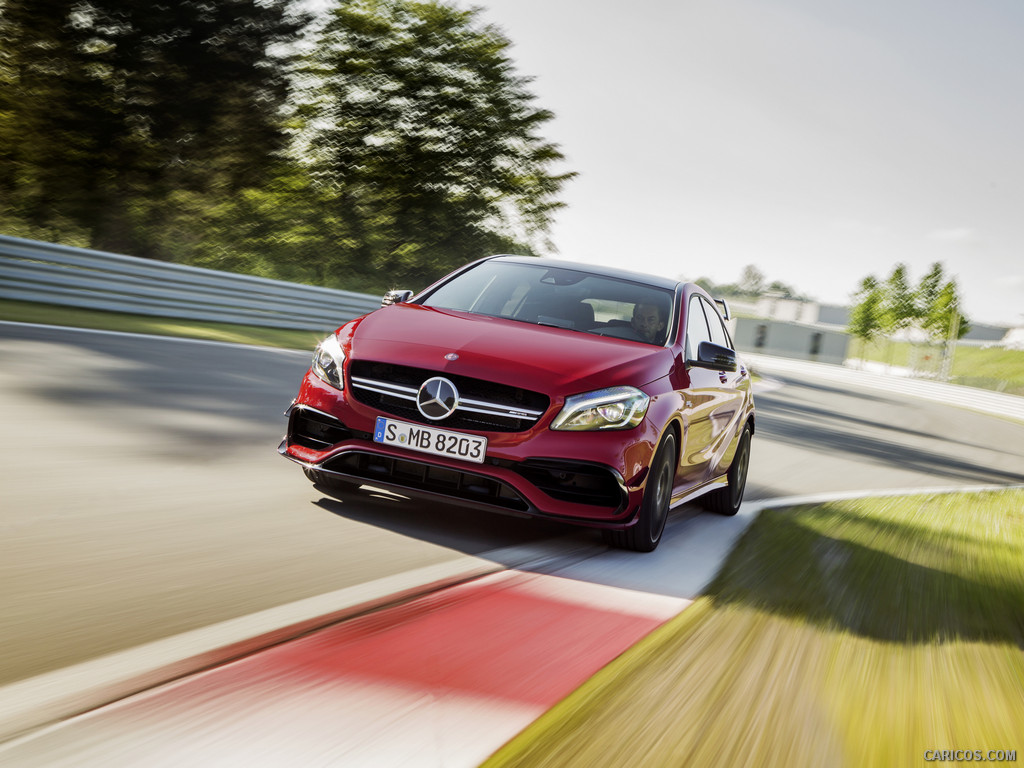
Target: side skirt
690	494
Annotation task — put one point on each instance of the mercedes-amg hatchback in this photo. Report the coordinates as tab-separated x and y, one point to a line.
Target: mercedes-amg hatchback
532	386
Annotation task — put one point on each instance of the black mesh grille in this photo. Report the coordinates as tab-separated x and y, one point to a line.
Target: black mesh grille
573	482
474	389
315	430
415	475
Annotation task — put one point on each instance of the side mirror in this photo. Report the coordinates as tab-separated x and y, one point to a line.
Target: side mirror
715	357
395	297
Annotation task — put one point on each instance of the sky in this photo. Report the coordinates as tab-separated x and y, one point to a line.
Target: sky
819	140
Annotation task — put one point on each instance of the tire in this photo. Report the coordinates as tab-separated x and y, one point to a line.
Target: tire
324	480
726	501
645	535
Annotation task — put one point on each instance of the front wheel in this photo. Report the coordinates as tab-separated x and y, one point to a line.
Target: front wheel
645	535
726	501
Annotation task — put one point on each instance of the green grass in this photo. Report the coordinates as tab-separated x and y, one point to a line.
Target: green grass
1001	369
30	312
857	633
989	368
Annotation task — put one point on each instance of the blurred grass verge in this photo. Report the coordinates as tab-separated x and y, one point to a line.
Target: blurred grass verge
857	633
995	368
49	314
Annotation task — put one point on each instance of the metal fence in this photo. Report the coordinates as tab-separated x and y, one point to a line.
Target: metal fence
76	277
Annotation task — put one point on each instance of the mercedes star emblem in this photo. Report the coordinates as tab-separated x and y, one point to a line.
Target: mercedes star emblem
437	398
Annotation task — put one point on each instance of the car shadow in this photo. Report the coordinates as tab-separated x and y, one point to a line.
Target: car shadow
491	535
693	545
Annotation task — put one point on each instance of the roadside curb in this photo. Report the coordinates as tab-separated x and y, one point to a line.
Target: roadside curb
40	701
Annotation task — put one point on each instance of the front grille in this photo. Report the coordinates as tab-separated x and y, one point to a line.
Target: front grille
316	430
574	482
426	477
484	405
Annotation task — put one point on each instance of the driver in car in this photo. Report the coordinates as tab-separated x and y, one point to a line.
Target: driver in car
647	322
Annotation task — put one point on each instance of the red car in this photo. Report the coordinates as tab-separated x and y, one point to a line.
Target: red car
535	387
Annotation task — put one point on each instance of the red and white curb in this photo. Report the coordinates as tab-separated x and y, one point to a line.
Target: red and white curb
443	680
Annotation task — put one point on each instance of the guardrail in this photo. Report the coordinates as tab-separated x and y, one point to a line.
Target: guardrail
56	274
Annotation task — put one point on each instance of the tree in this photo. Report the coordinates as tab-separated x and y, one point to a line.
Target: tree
286	229
866	321
752	280
429	142
927	293
784	290
944	319
116	106
898	309
934	307
937	302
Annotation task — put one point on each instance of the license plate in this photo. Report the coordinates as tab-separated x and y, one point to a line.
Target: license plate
438	442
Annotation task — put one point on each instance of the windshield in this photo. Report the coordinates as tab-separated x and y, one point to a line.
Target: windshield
564	298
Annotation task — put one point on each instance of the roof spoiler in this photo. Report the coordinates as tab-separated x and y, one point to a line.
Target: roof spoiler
726	312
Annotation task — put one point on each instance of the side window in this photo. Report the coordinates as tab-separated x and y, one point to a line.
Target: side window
718	333
696	327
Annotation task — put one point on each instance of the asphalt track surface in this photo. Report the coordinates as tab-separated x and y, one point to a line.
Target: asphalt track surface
142	497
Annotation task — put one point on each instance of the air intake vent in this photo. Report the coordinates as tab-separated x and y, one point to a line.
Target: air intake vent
425	477
316	430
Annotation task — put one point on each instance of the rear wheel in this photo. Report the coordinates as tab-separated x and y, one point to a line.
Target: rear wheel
726	501
646	533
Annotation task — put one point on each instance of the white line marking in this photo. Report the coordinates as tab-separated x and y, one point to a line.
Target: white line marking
182	339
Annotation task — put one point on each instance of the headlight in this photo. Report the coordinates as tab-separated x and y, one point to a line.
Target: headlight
328	360
612	408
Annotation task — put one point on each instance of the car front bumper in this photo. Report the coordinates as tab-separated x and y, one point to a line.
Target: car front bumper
590	478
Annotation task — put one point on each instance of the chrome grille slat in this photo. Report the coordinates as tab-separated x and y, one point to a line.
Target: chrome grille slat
472	406
385	388
499	410
483	405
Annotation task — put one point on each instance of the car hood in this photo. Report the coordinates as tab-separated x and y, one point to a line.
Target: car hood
550	360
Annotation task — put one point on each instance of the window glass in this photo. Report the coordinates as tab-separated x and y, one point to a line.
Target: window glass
560	297
696	328
484	289
718	332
